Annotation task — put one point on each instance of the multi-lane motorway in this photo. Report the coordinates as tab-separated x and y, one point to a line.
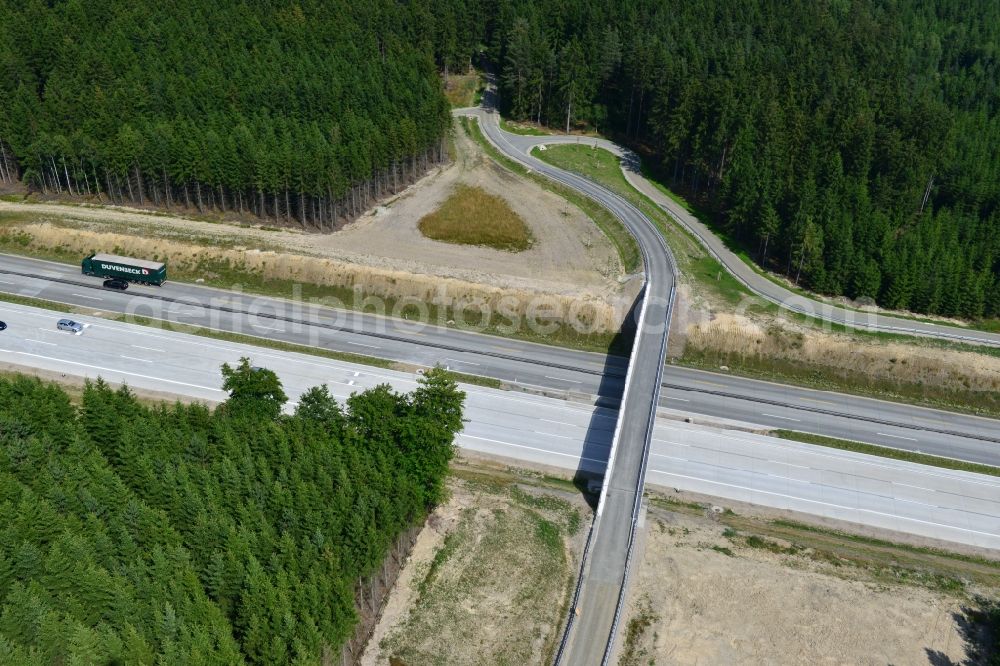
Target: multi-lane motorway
557	371
952	506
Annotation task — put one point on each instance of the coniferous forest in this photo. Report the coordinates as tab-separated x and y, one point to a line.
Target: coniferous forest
299	112
178	535
852	145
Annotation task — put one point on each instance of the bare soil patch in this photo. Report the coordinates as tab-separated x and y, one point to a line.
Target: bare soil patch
706	593
489	579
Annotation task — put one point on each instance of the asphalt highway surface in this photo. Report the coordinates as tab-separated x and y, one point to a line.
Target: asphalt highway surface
931	502
621	447
569	373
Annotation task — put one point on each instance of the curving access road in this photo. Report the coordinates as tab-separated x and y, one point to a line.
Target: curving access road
755	282
590	634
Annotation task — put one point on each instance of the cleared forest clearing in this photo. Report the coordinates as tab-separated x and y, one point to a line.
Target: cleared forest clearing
490	576
733	588
569	265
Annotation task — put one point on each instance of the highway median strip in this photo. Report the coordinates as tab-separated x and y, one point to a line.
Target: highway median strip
887	452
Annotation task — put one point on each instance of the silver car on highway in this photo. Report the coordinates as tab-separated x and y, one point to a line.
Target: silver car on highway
69	325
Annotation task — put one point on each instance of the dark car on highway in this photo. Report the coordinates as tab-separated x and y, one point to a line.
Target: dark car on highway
120	285
3	326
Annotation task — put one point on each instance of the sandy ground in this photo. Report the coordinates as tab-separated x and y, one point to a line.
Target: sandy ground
757	607
480	586
568	247
570	255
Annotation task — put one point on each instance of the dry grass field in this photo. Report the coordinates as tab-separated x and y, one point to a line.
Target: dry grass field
473	216
732	589
920	371
489	578
460	89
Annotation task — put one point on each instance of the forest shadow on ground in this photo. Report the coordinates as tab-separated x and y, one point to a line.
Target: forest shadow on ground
979	626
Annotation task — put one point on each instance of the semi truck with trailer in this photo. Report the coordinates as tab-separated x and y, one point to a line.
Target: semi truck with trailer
125	268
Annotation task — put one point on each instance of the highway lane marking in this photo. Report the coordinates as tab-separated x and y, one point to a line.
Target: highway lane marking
133	358
535	448
885	434
782	462
360	344
830	504
563	379
661	455
788	478
900	499
93	298
775	416
41	342
6	282
121	372
550	434
267	328
572	425
677	399
455	360
663	441
930	490
152	349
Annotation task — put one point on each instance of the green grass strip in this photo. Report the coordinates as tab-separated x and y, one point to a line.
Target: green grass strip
887	452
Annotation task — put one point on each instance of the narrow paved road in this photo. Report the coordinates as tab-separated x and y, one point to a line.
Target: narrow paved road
747	275
593	622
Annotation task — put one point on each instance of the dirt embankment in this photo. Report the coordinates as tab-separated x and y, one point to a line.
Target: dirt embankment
489	579
706	594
